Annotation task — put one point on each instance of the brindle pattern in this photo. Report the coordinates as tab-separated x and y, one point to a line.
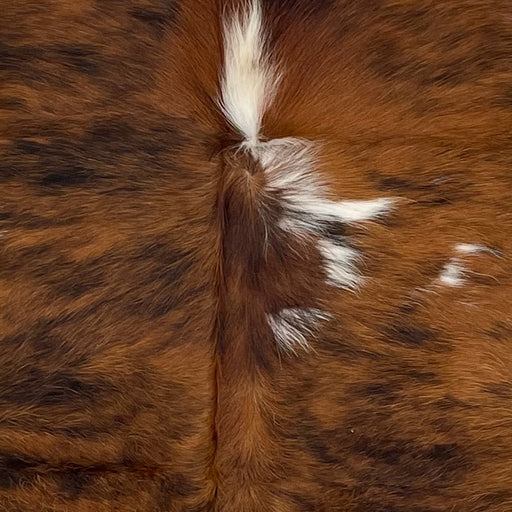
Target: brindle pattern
126	384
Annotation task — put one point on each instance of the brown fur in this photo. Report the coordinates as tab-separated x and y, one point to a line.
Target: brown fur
138	373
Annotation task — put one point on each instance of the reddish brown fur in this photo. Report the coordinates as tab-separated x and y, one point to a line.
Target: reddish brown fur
138	373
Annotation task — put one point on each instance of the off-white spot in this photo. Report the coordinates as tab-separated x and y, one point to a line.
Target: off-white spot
339	264
292	326
454	271
452	274
470	248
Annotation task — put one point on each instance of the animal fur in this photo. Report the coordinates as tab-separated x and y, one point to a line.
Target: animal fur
255	256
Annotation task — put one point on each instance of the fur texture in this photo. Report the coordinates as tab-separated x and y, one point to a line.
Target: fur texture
281	186
224	230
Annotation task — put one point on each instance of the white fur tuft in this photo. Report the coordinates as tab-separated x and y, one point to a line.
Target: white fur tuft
339	262
292	326
249	81
470	248
452	273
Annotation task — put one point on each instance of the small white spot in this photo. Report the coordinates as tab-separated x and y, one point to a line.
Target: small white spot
351	211
292	326
453	272
470	248
339	262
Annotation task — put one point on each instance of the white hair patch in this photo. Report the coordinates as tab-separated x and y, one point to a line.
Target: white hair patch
292	326
308	210
454	271
249	81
